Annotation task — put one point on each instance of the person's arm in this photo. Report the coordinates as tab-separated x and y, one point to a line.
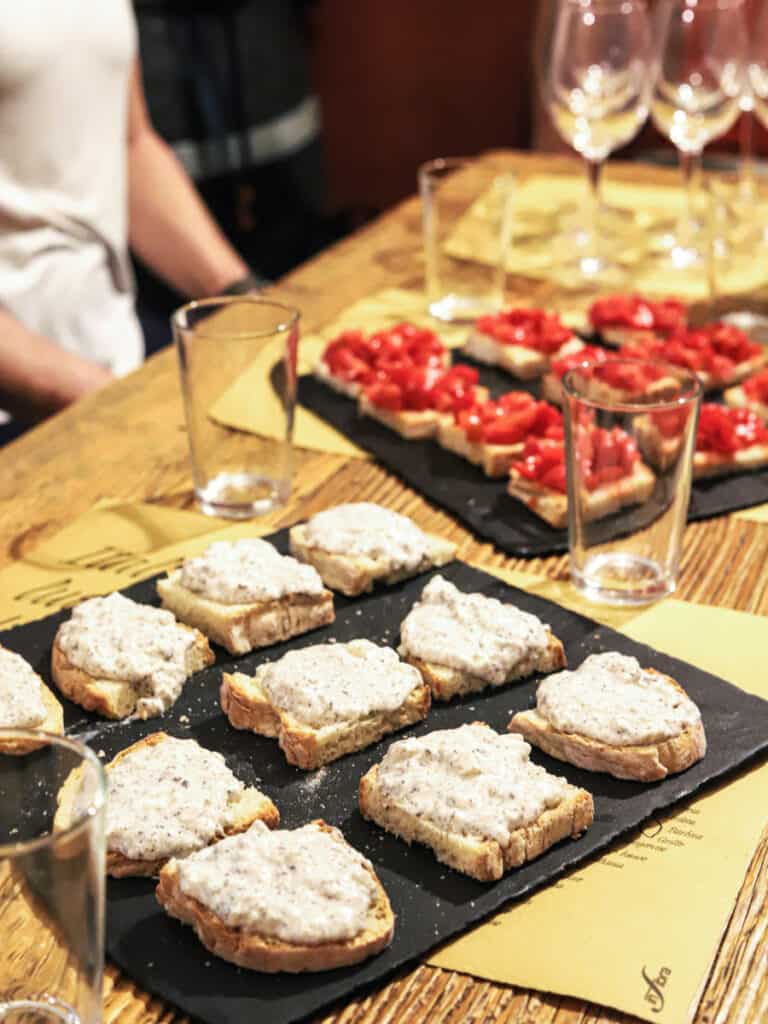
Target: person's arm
37	377
170	228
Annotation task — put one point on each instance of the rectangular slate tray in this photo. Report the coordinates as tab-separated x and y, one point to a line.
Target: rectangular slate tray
432	902
483	504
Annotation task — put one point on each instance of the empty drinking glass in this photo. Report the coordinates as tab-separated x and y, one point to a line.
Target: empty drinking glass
52	871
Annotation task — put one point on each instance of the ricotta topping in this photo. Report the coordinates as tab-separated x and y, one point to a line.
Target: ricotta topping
21	696
168	800
610	698
470	632
242	571
469	781
116	638
370	531
325	684
301	886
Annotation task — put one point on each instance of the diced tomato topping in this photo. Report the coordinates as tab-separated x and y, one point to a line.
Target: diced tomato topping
590	353
756	387
529	328
727	431
671	422
631	378
639	313
716	349
351	356
412	388
510	419
604	456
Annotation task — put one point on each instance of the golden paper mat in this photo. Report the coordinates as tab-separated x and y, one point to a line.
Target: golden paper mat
538	205
638	928
238	408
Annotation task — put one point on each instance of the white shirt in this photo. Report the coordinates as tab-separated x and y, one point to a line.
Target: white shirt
65	68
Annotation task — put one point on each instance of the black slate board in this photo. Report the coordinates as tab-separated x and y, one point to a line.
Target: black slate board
483	504
431	901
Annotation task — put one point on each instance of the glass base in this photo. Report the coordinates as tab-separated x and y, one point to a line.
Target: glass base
465	309
620	578
241	495
37	1011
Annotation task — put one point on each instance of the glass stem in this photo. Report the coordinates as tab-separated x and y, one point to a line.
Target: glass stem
746	152
690	165
594	169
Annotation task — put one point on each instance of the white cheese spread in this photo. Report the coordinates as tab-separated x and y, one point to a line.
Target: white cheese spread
370	531
325	684
470	632
21	696
469	781
243	571
610	698
300	886
168	800
116	638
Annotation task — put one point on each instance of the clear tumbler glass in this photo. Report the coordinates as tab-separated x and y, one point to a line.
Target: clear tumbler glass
229	344
630	432
52	795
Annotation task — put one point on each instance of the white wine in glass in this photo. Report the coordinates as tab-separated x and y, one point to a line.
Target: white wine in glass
595	78
699	79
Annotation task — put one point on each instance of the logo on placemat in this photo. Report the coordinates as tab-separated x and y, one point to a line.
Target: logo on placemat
653	994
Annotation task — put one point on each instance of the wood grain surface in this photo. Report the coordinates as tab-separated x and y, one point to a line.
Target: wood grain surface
129	442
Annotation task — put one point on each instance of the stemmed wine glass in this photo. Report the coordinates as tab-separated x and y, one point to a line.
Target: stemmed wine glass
699	79
595	81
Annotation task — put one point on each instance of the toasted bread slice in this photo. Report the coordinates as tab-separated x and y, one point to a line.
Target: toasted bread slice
647	762
478	856
53	722
348	388
524	363
252	805
495	459
265	953
242	627
247	705
115	698
410	424
356	574
708	464
552	505
447	683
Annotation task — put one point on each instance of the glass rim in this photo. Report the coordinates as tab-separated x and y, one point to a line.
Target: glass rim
51	739
694	389
443	163
292	315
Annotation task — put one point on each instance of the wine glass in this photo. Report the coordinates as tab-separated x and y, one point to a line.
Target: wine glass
699	80
595	83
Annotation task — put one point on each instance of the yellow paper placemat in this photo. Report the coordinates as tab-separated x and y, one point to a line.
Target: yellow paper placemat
638	928
758	514
652	909
541	201
250	404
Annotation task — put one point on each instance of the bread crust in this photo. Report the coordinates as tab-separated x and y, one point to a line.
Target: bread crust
521	362
737	398
483	859
252	805
348	388
109	697
495	459
410	424
355	574
53	723
709	464
241	628
647	762
552	505
246	704
270	955
447	683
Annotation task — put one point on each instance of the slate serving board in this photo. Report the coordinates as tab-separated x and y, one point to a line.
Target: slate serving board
432	902
483	504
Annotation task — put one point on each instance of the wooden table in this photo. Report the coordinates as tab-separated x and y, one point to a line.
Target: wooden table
129	442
